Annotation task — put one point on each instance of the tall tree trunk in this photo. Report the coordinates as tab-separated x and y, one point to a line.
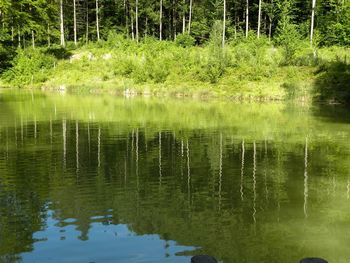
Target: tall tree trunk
190	17
87	22
235	24
224	26
247	19
75	22
259	19
270	29
33	39
137	20
146	26
97	21
173	20
63	43
184	20
160	20
132	27
312	21
19	37
48	35
126	14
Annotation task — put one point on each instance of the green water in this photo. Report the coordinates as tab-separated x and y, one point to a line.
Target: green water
106	179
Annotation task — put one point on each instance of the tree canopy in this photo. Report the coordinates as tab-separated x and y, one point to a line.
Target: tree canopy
31	22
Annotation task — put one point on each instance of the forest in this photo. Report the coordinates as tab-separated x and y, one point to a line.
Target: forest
228	47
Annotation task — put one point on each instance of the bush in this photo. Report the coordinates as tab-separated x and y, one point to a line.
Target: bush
184	40
29	66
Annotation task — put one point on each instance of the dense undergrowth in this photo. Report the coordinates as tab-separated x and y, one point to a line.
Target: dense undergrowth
244	68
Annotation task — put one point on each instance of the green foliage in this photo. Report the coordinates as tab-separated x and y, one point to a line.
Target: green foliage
185	40
217	57
6	55
29	66
333	81
334	23
287	33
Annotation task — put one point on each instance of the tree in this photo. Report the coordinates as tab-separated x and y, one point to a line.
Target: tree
259	18
97	21
161	20
312	20
247	19
137	19
75	21
62	24
224	25
190	17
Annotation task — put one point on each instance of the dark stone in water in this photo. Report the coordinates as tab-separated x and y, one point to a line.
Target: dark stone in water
203	259
313	260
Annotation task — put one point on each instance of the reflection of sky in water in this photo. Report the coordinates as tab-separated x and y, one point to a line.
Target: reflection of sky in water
106	243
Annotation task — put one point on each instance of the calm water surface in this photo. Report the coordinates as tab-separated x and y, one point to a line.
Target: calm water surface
105	179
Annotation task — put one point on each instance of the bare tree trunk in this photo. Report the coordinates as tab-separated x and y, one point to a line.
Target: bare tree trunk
270	30
146	26
97	21
247	20
87	22
235	25
62	24
48	36
184	20
33	39
126	14
160	20
132	27
173	19
19	37
224	26
259	19
75	22
312	21
137	20
190	17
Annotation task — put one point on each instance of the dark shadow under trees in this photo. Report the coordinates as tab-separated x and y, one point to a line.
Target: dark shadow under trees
332	84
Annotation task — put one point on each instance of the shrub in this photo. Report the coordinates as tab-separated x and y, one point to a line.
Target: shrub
29	66
184	40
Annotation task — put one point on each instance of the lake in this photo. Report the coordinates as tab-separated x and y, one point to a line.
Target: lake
97	178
